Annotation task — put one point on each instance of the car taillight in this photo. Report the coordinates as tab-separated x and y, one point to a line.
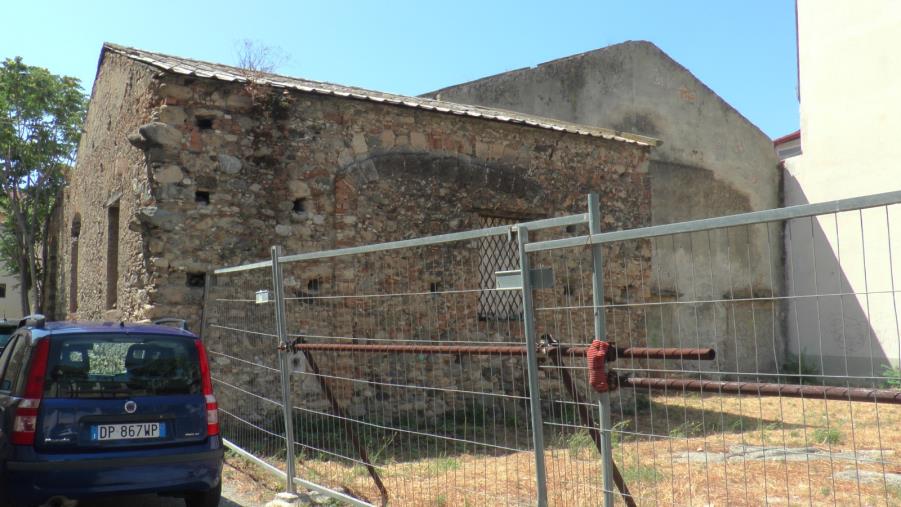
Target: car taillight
212	407
25	424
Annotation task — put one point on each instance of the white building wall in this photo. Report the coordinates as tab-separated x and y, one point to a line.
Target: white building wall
10	299
850	90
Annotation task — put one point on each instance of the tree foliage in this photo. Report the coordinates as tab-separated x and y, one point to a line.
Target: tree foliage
41	116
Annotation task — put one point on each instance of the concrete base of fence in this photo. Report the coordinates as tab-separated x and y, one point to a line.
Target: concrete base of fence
285	500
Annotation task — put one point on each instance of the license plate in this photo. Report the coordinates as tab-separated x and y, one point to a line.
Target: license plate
131	431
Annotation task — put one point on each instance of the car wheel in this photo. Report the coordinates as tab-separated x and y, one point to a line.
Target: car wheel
205	498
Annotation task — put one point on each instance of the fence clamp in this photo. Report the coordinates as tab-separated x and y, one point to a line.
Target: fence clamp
541	278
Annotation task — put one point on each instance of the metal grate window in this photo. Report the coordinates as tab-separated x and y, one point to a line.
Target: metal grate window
497	253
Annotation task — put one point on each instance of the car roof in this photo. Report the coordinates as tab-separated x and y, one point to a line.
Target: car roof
80	327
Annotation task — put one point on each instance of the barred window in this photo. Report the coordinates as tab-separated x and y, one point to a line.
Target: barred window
497	253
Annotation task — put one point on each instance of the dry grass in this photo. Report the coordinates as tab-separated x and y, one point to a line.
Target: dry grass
648	452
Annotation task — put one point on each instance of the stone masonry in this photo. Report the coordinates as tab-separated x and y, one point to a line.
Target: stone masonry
187	166
208	173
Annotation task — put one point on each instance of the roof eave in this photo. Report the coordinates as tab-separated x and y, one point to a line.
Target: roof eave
186	66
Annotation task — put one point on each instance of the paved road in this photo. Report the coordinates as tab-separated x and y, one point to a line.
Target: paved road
239	489
155	501
230	498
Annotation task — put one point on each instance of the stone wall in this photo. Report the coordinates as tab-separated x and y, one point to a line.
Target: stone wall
312	172
108	172
222	171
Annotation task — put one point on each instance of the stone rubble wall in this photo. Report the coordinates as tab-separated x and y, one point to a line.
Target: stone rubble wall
108	169
222	171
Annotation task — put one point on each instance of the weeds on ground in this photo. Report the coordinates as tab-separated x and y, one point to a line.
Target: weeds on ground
443	464
828	435
616	435
642	473
581	445
687	429
800	369
894	492
892	376
578	442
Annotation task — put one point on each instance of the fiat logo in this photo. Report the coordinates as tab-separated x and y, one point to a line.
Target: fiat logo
130	407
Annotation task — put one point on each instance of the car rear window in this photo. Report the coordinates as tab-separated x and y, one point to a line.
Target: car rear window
117	366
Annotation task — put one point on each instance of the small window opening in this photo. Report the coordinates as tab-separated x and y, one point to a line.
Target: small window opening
497	253
300	206
314	285
434	287
202	197
204	123
73	264
195	279
112	256
2	290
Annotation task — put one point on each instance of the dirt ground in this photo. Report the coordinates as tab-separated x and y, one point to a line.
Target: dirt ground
679	450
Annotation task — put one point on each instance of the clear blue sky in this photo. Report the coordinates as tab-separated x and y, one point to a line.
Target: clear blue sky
745	51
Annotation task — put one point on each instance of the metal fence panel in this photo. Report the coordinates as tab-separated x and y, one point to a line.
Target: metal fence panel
391	417
241	340
758	362
800	405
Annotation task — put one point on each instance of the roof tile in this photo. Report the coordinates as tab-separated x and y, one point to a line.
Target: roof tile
227	73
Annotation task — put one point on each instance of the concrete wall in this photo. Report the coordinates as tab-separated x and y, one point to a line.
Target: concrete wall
849	74
636	87
712	162
11	302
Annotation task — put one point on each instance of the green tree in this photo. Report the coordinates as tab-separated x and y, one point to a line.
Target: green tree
41	115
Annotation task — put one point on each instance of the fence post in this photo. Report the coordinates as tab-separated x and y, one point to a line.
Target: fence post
532	361
284	362
597	291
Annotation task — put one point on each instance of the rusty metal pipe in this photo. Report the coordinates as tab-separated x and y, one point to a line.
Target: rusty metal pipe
512	350
892	396
650	353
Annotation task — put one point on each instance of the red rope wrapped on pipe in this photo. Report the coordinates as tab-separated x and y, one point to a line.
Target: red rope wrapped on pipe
597	365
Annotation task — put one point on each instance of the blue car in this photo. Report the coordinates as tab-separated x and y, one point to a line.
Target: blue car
94	410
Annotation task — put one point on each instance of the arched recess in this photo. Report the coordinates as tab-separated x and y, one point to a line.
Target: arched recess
75	232
427	191
402	195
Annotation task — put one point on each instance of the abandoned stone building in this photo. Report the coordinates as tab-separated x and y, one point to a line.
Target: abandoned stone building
186	166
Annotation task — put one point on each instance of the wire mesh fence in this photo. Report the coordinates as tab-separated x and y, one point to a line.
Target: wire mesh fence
800	405
241	340
754	360
410	380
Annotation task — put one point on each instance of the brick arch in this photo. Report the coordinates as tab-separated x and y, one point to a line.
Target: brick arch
399	195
